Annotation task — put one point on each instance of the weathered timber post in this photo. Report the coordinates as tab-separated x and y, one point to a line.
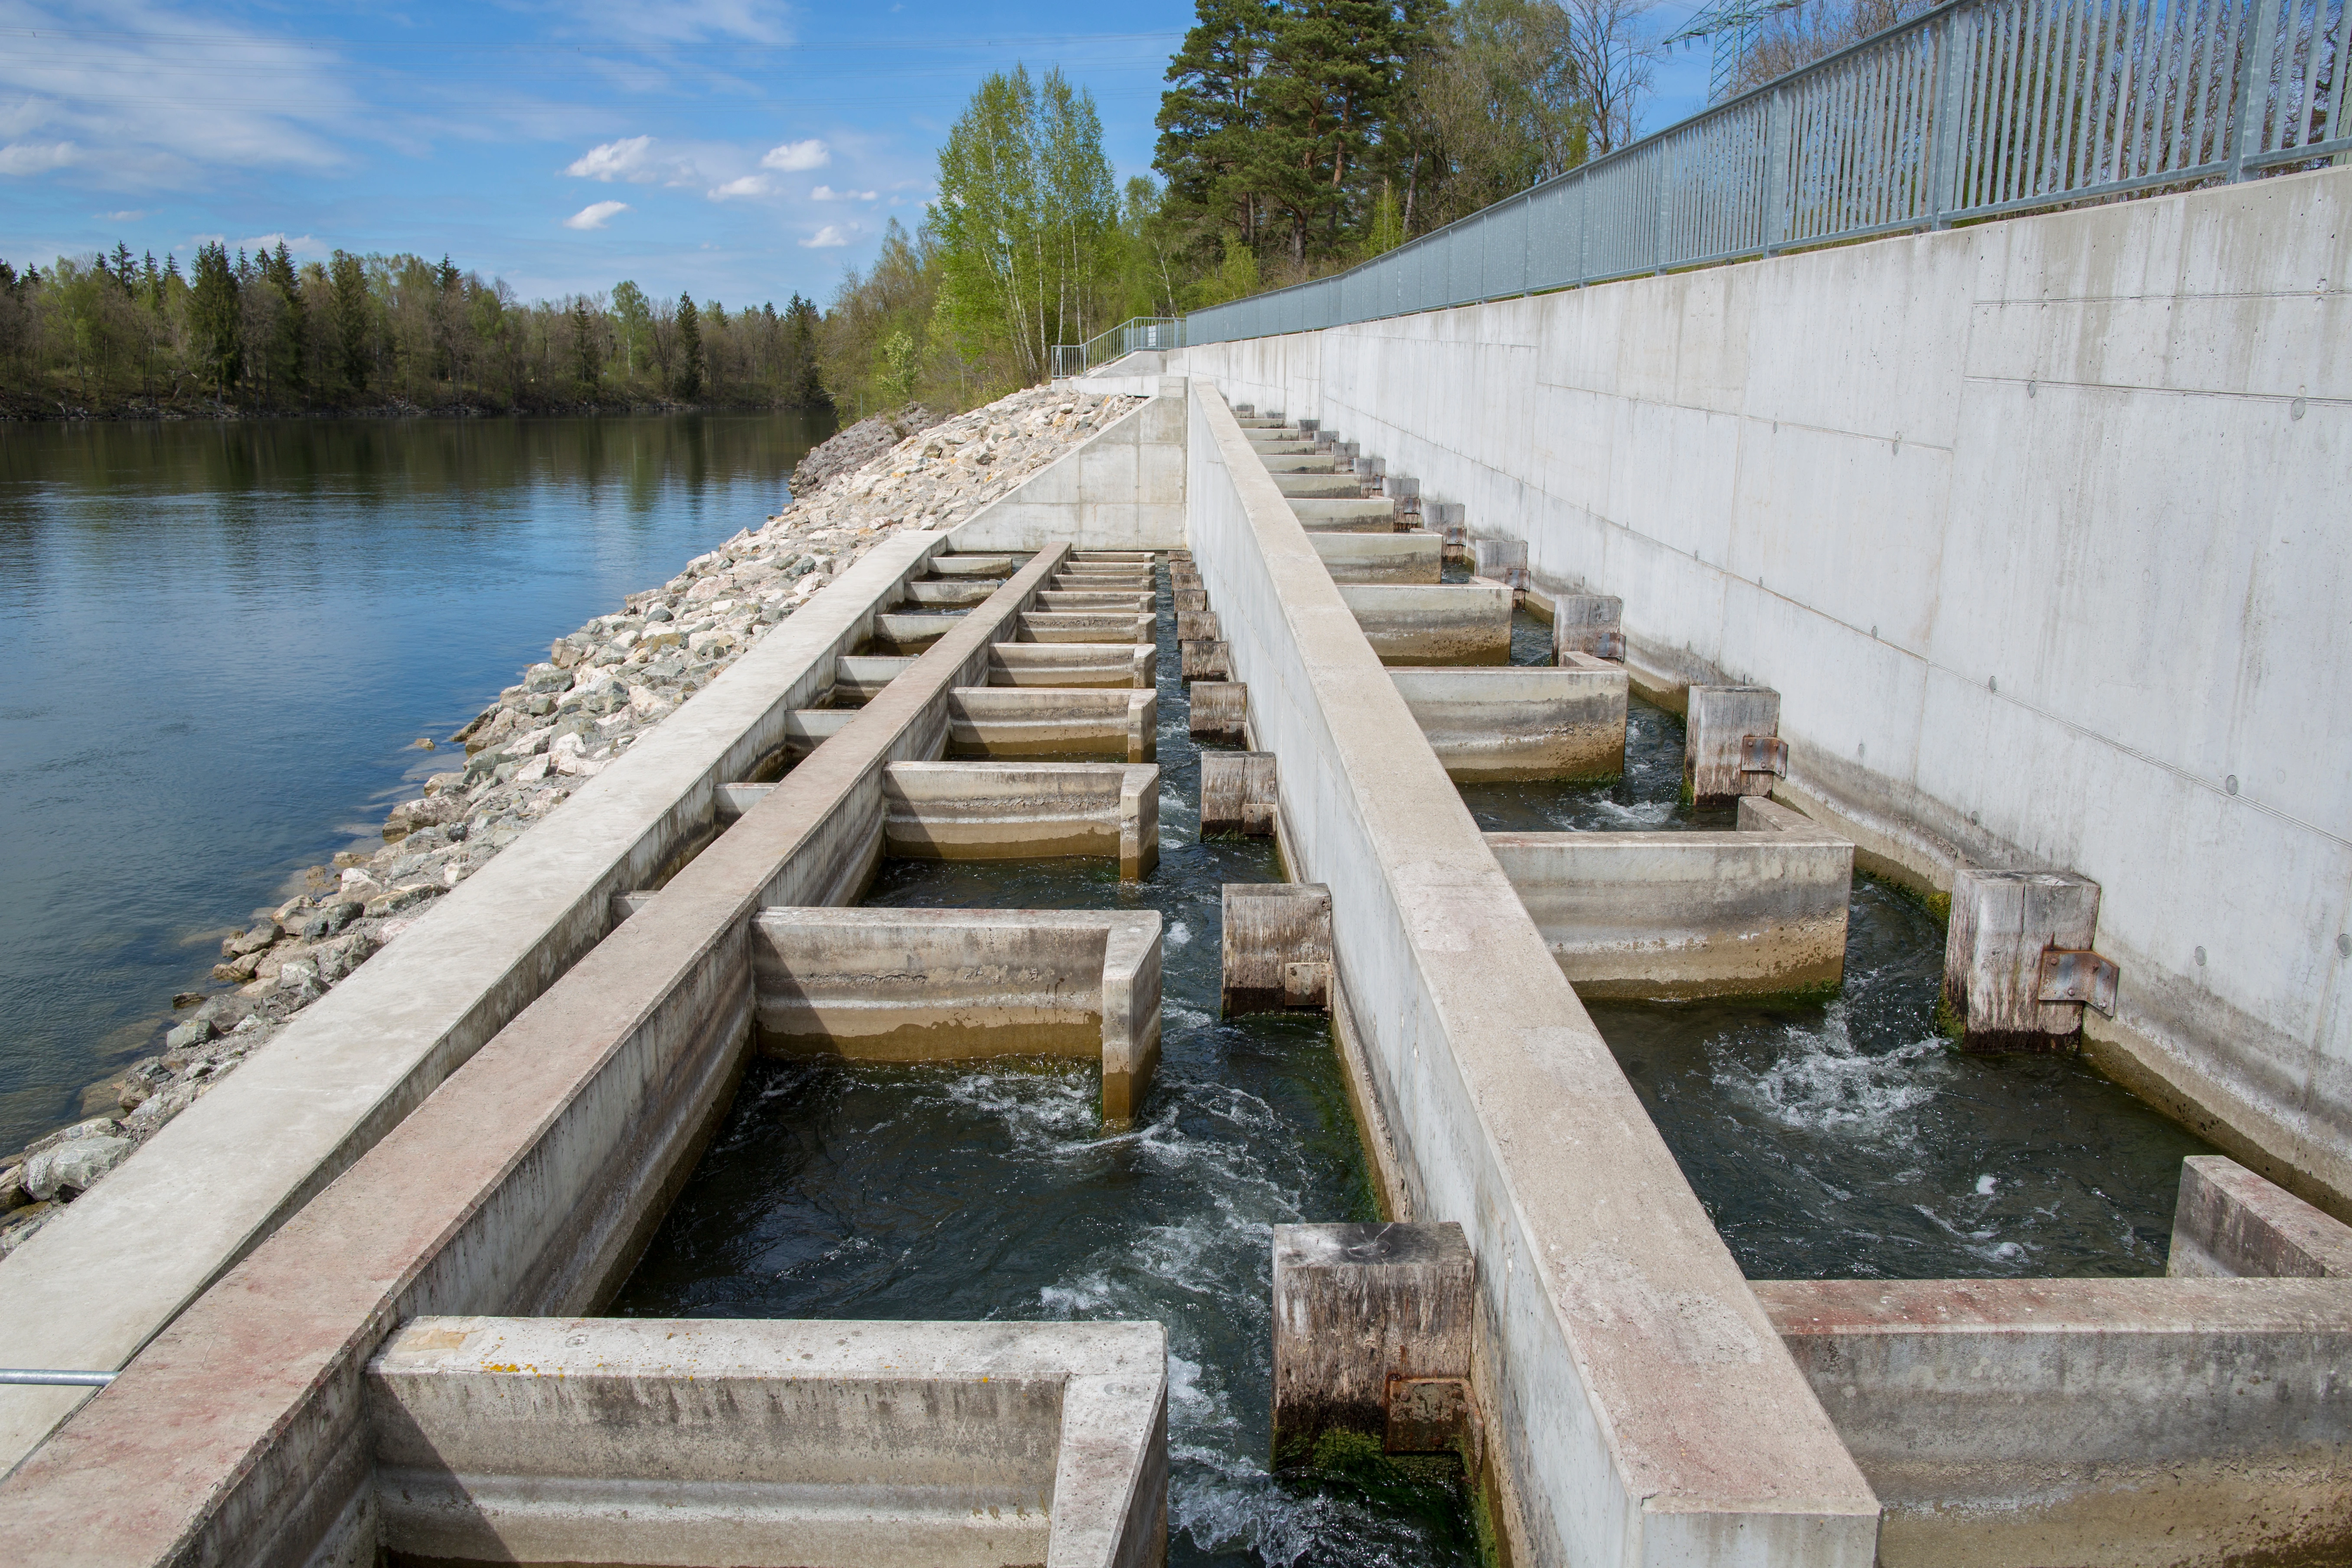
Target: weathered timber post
1277	947
1190	599
1237	794
1371	1322
1503	560
1731	744
1197	626
1407	492
1206	661
1447	518
1588	623
1221	711
2018	965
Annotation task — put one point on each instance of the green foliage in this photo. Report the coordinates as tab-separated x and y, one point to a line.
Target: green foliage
898	356
1386	230
689	347
634	321
1026	226
213	319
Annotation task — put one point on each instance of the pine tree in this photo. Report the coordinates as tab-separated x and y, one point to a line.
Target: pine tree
584	343
353	317
690	348
214	317
1210	113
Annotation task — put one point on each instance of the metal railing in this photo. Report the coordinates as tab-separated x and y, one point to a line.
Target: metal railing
1128	337
1978	109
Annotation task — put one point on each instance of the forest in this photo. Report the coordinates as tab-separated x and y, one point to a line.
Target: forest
1295	138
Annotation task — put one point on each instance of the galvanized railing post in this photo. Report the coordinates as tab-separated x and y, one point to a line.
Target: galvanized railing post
1777	198
1664	155
1944	155
2253	88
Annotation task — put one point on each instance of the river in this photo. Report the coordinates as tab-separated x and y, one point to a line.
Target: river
228	636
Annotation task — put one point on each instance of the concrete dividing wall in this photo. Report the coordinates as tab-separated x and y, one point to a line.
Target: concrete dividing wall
2036	527
526	1184
822	1444
1123	489
228	1170
1644	1410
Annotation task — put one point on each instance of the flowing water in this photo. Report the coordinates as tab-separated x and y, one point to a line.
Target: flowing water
1843	1137
224	638
991	1192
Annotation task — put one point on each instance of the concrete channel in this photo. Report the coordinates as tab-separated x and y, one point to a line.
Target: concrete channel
382	1338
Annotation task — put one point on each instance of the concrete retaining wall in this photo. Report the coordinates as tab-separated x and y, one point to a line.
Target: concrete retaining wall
1123	489
1381	557
1453	622
1643	1408
2030	522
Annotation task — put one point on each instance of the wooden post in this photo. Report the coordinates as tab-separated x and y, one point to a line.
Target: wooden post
1197	626
1221	711
1237	794
1359	1311
1590	623
1205	660
1716	765
2002	921
1277	947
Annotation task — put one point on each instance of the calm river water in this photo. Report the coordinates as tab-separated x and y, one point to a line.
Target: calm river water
225	637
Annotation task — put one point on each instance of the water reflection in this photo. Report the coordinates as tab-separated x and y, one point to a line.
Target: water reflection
224	636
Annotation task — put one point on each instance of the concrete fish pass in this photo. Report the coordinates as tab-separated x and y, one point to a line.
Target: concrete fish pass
367	1318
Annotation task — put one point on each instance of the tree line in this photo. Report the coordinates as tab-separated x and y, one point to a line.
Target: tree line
1295	138
119	332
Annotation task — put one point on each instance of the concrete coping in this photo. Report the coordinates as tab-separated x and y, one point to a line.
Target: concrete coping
1381	557
900	985
710	1440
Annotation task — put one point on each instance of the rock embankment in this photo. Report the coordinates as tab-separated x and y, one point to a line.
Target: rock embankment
857	446
600	689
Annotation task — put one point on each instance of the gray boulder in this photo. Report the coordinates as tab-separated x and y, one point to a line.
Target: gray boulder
74	1165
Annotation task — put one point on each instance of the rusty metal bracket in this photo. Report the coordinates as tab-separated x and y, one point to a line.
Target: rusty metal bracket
2078	975
1763	754
1609	644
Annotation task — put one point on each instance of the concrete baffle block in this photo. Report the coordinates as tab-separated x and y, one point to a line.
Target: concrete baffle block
1718	762
1359	1308
1237	794
1189	599
2231	1224
1206	660
2001	922
1277	947
1504	560
1221	711
1588	624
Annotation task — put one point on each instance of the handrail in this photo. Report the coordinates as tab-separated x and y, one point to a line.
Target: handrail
1978	109
1137	333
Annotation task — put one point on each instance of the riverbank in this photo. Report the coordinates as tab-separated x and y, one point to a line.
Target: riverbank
603	686
19	405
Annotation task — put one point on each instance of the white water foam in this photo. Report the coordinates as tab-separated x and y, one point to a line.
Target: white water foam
1823	1084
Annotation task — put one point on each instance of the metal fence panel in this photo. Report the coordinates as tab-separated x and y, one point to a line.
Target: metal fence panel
1977	108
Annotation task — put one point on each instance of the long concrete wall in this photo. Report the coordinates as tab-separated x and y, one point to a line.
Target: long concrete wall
1123	489
2035	526
1644	1410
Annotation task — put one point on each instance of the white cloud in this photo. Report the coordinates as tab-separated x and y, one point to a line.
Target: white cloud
827	193
631	160
297	244
37	157
148	94
825	238
749	185
797	157
595	215
130	217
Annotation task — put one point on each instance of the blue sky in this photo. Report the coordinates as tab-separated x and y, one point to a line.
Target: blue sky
739	149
